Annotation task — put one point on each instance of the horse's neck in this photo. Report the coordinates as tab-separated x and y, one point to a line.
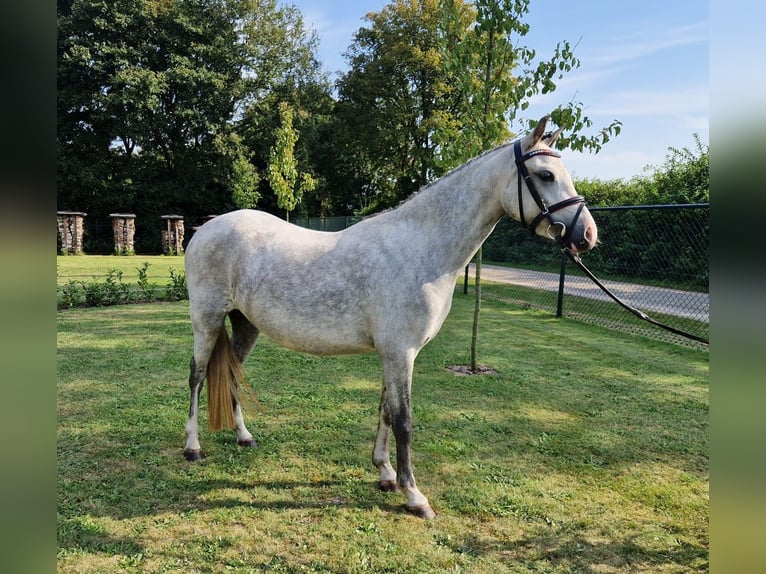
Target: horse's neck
456	213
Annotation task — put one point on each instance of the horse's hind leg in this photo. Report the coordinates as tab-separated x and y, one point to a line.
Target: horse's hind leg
243	337
204	342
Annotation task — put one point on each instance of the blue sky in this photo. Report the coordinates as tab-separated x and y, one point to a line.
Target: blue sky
643	63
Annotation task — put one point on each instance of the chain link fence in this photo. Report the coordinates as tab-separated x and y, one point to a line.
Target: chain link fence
653	257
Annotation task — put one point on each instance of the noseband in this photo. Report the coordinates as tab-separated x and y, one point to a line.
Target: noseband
546	211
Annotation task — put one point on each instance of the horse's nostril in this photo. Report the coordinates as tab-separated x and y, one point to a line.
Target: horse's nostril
590	235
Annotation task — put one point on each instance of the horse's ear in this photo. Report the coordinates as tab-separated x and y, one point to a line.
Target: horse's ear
555	136
537	135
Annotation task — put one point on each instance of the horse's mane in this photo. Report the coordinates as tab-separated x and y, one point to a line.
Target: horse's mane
451	172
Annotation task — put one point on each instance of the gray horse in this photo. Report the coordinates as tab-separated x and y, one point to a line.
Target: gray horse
384	284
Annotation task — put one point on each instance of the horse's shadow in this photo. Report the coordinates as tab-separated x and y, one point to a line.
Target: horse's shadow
286	495
573	551
178	490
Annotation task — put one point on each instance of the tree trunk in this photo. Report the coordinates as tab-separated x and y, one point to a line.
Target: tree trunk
476	311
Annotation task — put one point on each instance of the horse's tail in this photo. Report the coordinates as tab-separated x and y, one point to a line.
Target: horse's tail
224	375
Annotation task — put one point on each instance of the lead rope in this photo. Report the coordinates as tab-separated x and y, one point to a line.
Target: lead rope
637	312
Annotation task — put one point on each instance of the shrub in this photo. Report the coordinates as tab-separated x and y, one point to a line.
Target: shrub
176	290
144	287
72	293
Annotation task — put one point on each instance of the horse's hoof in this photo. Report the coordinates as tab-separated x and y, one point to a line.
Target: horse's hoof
423	511
250	443
388	486
192	455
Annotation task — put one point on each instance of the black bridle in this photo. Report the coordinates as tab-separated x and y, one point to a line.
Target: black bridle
546	211
563	238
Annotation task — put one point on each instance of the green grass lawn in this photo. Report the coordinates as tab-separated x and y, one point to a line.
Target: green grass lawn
100	280
95	267
586	452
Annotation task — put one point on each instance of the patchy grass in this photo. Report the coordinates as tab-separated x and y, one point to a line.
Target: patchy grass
586	452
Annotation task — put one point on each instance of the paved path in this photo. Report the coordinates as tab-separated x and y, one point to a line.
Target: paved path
688	304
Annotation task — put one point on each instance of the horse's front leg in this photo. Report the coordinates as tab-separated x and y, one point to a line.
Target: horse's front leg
381	456
397	380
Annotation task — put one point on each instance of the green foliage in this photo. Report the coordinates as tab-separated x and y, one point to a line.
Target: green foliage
395	97
124	251
571	117
71	294
315	151
433	84
288	184
110	291
174	107
147	95
610	193
176	289
111	287
145	288
684	177
668	245
496	77
244	184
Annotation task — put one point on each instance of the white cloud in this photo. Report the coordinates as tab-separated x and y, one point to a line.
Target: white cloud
655	103
647	41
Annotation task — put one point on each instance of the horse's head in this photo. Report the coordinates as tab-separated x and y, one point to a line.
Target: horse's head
543	198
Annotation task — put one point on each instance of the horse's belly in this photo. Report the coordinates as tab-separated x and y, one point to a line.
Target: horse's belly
323	335
323	346
337	343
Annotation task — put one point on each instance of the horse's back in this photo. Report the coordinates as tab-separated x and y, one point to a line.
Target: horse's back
245	228
294	284
239	238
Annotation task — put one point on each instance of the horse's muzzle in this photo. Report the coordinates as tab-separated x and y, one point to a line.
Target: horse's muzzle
584	237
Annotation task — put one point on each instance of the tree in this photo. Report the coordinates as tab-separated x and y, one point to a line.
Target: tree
312	105
244	184
483	56
395	97
287	183
495	77
244	179
148	95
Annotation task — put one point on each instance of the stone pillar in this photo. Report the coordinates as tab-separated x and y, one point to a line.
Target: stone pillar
173	235
124	230
70	230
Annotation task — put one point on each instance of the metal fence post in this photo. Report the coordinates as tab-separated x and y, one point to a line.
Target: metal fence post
562	274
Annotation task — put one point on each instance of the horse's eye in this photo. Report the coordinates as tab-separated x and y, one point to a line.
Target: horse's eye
546	176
